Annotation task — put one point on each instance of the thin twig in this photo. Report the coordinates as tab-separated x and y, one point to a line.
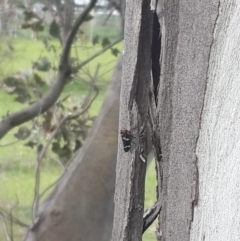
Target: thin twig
28	113
71	35
63	61
6	215
60	124
6	230
10	143
109	15
37	183
78	67
40	156
37	178
11	218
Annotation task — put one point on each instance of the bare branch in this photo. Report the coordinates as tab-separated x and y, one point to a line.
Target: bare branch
68	18
109	15
12	220
10	143
6	215
28	113
150	215
116	5
74	30
6	230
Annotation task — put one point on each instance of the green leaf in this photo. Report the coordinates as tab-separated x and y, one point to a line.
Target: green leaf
88	18
39	81
105	42
31	144
96	40
11	81
62	152
37	27
23	95
26	25
53	48
54	30
115	51
23	133
29	15
43	64
78	144
39	148
8	89
56	148
66	153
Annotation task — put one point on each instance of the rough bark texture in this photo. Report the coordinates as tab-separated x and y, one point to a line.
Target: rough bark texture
217	216
130	176
187	34
81	206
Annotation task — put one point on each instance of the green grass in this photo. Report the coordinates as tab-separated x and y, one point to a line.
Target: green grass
17	162
150	198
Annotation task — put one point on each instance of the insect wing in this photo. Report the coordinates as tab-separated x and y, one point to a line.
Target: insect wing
126	139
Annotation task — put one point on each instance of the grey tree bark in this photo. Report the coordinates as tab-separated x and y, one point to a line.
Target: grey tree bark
188	44
187	40
130	173
217	215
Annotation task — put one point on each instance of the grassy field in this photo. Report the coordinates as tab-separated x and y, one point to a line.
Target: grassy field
17	162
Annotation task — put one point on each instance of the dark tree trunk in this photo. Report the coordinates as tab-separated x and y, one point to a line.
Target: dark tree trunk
81	205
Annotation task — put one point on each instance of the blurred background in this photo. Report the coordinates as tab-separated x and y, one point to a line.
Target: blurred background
30	35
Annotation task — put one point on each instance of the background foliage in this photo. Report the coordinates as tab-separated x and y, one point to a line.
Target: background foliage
28	63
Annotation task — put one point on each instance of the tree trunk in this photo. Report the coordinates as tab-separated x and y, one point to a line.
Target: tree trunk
131	166
217	215
187	32
199	61
81	206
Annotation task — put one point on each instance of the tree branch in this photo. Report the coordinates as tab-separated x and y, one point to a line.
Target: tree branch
6	215
37	196
72	33
79	66
150	215
28	113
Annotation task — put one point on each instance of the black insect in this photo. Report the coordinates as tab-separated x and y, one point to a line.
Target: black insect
126	139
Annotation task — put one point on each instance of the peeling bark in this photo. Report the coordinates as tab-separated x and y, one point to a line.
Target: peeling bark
217	215
131	169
